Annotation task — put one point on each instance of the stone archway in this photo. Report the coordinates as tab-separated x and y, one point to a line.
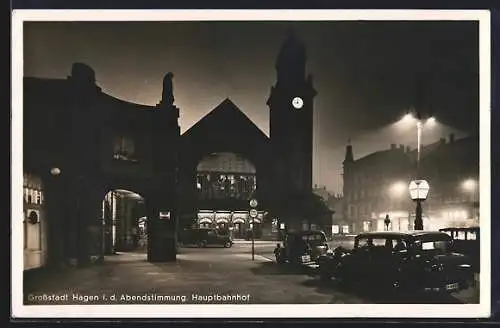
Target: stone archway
158	211
121	211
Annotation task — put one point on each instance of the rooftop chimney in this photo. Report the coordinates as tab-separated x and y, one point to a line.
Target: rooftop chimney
393	146
402	147
452	138
442	141
408	149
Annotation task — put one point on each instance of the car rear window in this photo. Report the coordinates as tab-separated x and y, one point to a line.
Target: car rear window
430	245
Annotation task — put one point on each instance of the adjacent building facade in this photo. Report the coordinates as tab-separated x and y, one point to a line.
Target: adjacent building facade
377	185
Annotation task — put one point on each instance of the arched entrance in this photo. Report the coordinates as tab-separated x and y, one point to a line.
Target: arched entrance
124	222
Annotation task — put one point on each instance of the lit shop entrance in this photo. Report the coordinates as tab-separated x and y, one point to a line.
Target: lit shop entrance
124	222
237	223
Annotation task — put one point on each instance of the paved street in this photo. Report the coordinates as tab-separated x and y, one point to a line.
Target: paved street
266	248
225	275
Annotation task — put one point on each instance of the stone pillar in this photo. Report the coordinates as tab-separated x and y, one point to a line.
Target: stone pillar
89	222
161	234
54	203
129	224
119	218
108	224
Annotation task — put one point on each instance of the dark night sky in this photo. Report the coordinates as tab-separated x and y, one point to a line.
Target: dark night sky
365	73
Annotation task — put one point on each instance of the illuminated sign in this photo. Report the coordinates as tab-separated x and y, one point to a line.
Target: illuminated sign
165	215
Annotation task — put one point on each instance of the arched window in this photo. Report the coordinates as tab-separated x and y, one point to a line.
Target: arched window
225	175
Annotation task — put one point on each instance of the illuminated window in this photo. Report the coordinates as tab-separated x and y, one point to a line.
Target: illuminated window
471	235
461	235
25	230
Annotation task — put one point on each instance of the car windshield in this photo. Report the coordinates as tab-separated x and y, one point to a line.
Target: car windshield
437	243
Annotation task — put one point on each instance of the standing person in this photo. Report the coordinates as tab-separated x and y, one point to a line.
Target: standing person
135	237
387	222
278	253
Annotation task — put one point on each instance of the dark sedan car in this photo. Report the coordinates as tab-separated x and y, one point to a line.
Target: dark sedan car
203	237
466	241
419	259
302	248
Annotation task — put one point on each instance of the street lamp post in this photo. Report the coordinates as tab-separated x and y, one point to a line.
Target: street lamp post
419	225
419	190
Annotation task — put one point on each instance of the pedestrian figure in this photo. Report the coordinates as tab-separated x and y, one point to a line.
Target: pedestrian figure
135	238
387	221
277	252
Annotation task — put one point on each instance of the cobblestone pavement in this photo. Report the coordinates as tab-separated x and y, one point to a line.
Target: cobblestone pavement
227	275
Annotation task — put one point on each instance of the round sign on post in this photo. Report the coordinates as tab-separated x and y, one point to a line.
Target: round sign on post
253	203
253	213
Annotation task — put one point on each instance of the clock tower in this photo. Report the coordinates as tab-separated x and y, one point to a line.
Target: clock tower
291	120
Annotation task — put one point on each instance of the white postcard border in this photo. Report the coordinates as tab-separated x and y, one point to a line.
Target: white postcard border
249	311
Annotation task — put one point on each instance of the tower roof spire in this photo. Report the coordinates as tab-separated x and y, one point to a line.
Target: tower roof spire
349	157
291	61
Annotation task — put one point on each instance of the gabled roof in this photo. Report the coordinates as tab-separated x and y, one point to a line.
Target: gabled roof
225	118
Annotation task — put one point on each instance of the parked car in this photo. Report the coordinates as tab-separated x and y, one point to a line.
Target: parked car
203	237
419	260
302	248
466	241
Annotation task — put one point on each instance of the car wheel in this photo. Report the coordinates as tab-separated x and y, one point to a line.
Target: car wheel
202	244
228	244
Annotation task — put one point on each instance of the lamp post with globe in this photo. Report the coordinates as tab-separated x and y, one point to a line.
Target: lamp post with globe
415	118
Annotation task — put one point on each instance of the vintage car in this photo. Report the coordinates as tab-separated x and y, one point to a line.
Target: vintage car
203	237
302	248
411	260
466	241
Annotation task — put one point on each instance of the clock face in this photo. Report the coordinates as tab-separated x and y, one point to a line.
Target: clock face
297	102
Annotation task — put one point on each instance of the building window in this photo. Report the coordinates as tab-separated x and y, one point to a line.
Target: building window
25	230
32	196
124	148
225	176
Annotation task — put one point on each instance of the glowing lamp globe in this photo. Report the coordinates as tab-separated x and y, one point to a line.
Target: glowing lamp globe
419	189
55	171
